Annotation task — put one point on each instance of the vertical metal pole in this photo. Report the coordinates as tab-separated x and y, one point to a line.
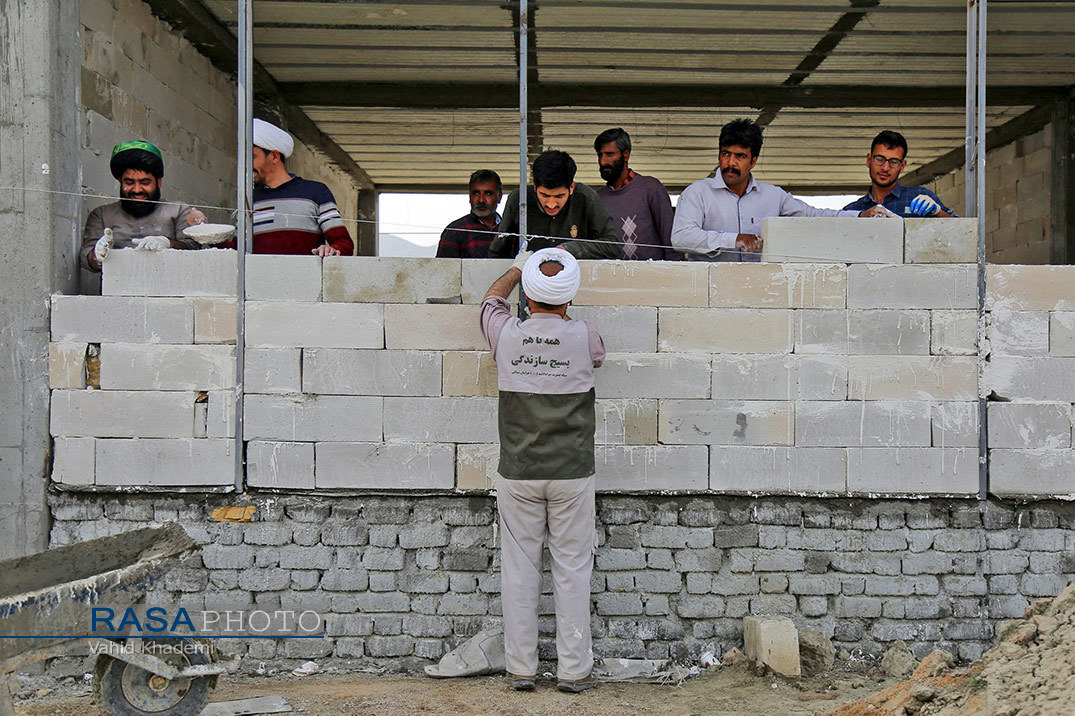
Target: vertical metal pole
524	187
244	190
980	212
972	94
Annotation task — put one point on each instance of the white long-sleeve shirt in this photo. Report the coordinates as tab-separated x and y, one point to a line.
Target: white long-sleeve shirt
709	217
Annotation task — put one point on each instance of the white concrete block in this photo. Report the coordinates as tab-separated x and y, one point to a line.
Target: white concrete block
131	366
273	370
220	414
121	319
470	373
626	422
955	424
280	465
822	378
651	467
385	466
643	283
1030	425
1062	333
750	285
1030	288
173	272
308	418
442	420
940	241
383	279
166	463
954	333
624	329
865	423
67	365
864	332
912	471
342	371
122	414
215	320
727	422
793	239
780	470
1018	333
477	275
433	327
73	461
725	330
912	286
283	278
314	325
774	641
1032	473
653	375
755	377
475	466
1015	378
930	378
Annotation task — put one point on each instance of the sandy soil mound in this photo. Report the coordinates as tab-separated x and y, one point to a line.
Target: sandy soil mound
1031	672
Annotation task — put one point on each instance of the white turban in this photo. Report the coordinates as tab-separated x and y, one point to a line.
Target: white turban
270	137
554	290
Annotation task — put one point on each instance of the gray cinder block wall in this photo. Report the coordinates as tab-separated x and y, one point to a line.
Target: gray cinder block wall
410	577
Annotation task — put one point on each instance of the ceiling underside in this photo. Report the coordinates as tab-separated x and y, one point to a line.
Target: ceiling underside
422	93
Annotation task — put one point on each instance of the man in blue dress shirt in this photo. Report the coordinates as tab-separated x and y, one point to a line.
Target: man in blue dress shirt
887	158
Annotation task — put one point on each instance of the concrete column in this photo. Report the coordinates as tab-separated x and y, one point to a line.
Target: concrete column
1062	189
41	51
367	232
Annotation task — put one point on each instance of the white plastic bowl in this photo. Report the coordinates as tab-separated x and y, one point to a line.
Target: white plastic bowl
209	234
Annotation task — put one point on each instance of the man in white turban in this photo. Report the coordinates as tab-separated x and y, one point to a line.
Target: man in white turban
292	215
545	486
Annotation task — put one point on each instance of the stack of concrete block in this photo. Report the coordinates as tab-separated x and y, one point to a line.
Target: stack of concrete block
154	407
1031	377
372	374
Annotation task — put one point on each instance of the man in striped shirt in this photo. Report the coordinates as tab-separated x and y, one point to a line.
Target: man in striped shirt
292	215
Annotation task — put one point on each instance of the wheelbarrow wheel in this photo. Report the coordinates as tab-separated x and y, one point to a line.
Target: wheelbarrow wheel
123	689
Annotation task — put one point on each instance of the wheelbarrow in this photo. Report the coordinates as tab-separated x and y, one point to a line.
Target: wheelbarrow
46	605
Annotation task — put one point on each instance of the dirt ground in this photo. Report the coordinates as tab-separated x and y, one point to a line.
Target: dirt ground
729	691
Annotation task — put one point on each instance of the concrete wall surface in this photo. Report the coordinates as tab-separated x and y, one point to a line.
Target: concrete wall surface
824	378
400	579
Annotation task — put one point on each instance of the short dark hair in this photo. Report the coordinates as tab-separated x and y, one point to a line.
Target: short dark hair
617	135
554	169
741	133
484	175
890	139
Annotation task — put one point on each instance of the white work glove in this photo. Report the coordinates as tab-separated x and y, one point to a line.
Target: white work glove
922	205
103	245
153	243
521	259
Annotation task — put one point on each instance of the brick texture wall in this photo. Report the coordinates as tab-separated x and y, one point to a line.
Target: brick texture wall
401	579
1018	217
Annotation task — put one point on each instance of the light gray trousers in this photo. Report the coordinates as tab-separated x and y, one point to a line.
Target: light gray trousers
562	510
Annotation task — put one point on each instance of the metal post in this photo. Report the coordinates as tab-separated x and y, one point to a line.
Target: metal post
972	94
523	111
244	190
980	211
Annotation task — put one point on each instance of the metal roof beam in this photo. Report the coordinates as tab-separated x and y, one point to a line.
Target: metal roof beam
214	40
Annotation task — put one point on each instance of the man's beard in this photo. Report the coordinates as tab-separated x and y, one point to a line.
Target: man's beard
612	171
139	208
482	210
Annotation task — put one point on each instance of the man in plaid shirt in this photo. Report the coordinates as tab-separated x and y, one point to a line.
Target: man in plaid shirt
468	237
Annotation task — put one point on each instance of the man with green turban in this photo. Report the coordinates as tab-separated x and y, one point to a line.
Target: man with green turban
139	219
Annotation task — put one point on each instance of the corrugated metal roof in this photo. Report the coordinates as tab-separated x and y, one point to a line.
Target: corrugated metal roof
373	68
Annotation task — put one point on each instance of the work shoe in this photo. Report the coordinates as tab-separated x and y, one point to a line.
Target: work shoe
521	683
575	686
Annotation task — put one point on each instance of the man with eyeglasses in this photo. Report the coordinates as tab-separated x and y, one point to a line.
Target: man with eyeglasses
887	158
719	218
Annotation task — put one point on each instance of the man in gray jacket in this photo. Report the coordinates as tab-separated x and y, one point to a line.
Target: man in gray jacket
545	487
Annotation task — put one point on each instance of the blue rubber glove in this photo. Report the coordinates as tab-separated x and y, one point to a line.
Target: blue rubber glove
922	205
